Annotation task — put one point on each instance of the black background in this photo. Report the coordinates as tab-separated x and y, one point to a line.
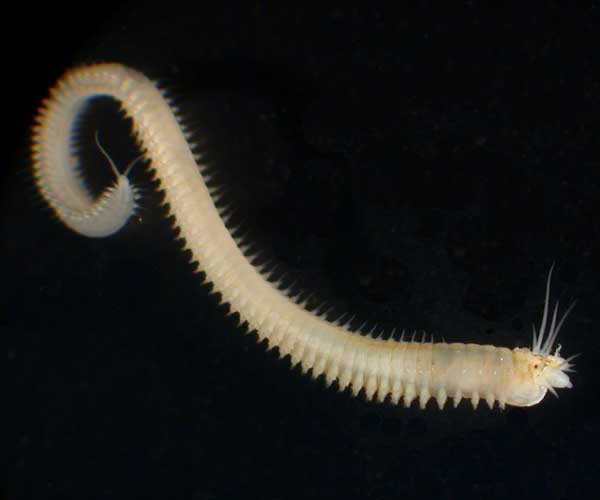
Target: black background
421	167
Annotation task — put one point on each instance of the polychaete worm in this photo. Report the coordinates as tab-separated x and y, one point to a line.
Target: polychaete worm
406	370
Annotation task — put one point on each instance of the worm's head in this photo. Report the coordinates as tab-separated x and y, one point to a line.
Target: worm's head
536	374
552	371
536	370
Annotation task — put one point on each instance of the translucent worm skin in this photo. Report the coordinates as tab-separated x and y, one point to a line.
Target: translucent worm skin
383	368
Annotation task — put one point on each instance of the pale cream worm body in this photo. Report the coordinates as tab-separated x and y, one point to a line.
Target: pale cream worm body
398	369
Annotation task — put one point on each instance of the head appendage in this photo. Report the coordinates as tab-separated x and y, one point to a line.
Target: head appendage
543	341
550	369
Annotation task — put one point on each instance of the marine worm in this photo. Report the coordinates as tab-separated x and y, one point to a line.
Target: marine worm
406	370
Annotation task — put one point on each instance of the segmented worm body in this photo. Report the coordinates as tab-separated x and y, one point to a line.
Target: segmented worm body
382	368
